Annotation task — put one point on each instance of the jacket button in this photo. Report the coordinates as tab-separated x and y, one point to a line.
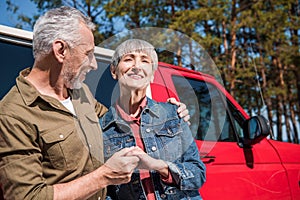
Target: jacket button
163	196
61	136
148	130
153	148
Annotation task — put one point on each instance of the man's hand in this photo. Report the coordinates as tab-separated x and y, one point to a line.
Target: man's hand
182	111
119	168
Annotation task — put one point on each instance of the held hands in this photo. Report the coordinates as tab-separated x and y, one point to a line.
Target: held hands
146	162
119	168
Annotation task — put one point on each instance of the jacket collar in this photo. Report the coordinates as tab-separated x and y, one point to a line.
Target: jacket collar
112	117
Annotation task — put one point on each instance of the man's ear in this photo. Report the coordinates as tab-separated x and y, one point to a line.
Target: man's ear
59	49
113	72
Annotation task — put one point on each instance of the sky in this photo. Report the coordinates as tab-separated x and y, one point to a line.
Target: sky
27	8
8	18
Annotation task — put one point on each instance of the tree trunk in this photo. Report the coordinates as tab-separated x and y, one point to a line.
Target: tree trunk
270	114
279	117
294	124
287	121
233	47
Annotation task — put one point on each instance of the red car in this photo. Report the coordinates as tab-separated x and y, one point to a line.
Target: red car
241	163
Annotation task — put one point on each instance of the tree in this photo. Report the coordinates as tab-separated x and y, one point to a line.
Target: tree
254	43
94	9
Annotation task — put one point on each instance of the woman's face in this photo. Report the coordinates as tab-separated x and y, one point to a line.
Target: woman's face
134	71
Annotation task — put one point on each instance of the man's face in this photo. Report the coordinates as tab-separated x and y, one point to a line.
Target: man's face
80	61
134	71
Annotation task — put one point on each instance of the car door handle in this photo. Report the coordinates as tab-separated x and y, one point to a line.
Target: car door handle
207	159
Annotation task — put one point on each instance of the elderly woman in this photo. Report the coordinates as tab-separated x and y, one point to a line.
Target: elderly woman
169	166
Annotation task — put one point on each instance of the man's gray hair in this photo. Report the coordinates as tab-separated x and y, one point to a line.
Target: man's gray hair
59	23
134	45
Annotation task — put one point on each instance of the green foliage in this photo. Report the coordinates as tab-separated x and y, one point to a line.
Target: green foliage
254	43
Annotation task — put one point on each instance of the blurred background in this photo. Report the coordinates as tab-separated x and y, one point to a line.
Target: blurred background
254	43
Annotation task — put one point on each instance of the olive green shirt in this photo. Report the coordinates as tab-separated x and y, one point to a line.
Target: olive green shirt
42	143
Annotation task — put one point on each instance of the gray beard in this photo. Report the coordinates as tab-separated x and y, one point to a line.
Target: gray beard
77	84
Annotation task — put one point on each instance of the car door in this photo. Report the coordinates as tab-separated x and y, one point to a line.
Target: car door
233	172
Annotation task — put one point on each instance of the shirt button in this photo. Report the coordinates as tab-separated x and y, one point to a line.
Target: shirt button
61	136
90	145
99	198
148	130
153	148
163	196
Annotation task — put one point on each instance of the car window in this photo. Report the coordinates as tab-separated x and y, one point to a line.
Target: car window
102	85
14	58
208	109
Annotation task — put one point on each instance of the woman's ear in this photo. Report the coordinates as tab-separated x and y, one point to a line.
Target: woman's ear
59	48
152	78
113	72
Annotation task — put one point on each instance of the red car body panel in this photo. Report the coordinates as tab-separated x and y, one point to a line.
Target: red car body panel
290	158
238	173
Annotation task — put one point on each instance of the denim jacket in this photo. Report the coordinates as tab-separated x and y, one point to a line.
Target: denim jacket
167	137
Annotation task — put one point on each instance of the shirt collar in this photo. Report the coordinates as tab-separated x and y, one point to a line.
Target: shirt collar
29	93
126	116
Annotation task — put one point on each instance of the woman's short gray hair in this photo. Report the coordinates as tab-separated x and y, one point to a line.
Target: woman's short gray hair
134	45
59	23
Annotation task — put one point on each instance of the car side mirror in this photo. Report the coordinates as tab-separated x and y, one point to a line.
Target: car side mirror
255	129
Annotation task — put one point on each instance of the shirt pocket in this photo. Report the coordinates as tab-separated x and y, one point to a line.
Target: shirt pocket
168	139
63	147
115	141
